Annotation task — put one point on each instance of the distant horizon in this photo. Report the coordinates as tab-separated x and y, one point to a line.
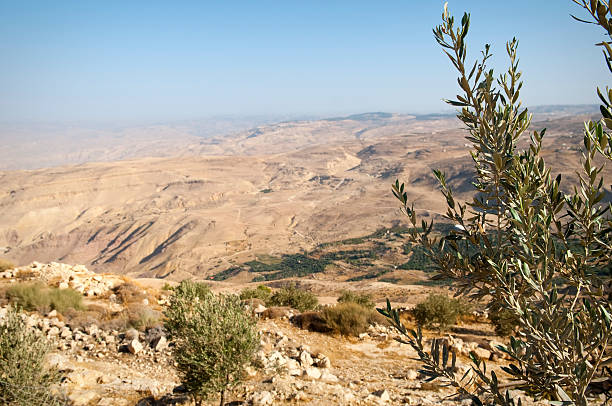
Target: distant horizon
270	118
71	61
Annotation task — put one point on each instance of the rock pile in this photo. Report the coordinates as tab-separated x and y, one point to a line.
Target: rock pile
77	277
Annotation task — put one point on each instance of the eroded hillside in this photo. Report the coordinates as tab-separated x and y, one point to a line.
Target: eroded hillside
286	188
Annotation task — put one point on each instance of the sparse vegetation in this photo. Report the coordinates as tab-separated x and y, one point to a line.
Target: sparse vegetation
439	311
25	380
293	297
40	297
347	318
261	292
214	339
362	299
142	317
5	265
130	293
351	318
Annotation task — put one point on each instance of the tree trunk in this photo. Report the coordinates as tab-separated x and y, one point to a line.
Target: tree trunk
222	403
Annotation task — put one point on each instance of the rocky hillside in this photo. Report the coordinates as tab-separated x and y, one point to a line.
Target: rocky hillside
107	361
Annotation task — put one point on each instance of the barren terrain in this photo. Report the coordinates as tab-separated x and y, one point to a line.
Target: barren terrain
276	189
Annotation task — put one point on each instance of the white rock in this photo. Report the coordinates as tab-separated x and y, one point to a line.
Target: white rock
305	359
264	398
53	331
160	344
293	367
312	372
383	395
250	370
135	346
412	375
92	330
276	358
83	398
482	353
259	309
327	376
66	333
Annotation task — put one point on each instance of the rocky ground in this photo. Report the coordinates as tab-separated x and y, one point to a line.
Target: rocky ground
107	365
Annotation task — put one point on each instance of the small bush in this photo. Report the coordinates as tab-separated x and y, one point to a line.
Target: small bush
191	290
130	293
6	265
185	292
347	318
101	316
214	340
293	297
363	299
142	317
505	322
439	311
261	292
276	312
312	321
24	379
40	297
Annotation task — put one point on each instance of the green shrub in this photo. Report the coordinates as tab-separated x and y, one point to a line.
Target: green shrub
214	339
40	297
505	322
363	299
24	378
4	265
515	241
142	317
293	297
190	290
350	318
261	292
186	291
347	318
439	311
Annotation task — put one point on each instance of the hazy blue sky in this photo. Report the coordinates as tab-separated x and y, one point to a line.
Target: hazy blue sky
168	60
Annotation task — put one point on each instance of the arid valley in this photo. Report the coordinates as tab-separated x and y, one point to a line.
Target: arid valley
276	189
305	202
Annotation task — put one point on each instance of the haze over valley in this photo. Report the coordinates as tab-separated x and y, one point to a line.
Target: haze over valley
184	205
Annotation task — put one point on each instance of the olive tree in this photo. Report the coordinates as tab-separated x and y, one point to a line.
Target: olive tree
521	243
24	378
214	339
